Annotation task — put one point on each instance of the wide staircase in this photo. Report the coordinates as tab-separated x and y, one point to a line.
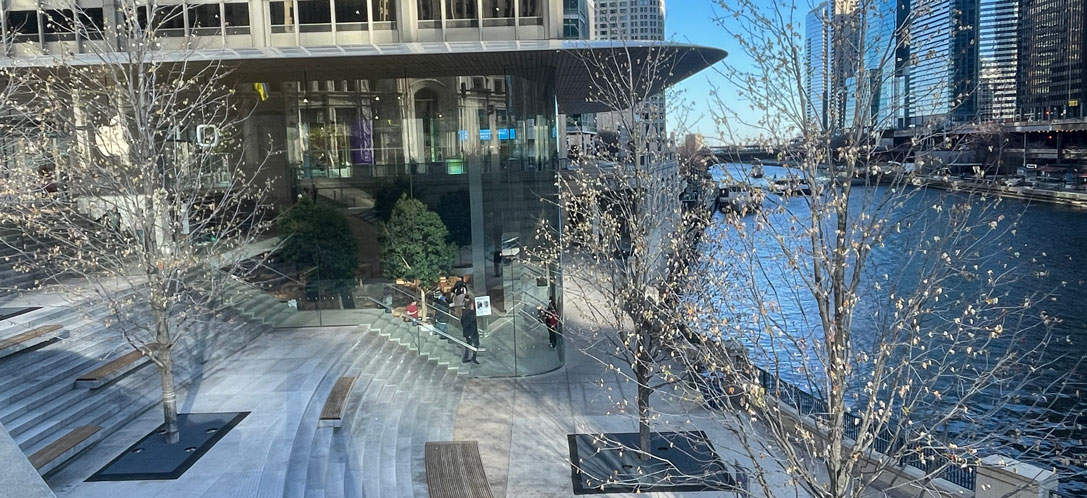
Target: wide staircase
50	415
406	391
12	279
253	303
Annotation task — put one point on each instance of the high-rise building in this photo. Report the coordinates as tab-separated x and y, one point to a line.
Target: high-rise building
883	80
943	64
1052	59
578	19
817	65
633	20
630	19
998	55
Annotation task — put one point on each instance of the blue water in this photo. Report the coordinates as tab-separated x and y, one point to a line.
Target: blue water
1042	254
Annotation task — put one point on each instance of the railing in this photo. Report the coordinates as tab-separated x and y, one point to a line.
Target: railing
431	308
927	459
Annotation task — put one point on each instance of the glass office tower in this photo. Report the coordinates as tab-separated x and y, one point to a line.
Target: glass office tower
998	55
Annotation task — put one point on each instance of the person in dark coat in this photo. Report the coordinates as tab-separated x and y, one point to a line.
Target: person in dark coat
441	315
471	331
552	322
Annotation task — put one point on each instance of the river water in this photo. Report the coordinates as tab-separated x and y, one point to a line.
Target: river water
1051	243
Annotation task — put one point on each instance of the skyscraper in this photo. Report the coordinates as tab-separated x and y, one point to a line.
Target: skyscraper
633	20
943	68
998	52
577	19
817	55
630	19
1052	59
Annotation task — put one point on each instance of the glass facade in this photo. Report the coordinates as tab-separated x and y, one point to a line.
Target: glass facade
479	151
997	58
930	66
880	52
817	51
943	73
1052	64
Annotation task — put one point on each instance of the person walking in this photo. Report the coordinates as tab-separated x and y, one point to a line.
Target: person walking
470	330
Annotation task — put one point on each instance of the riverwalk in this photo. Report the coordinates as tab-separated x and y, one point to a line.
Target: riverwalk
1076	199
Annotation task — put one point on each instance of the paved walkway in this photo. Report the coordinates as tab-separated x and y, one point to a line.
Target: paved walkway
521	424
271	379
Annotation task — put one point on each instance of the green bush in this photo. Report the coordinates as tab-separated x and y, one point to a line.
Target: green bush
414	243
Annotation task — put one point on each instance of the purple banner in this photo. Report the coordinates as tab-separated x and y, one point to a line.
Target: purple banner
362	142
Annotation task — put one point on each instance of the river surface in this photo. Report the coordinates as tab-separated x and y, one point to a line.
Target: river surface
1051	242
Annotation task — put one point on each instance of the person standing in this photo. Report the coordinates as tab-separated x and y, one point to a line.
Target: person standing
497	263
552	321
441	313
460	294
470	330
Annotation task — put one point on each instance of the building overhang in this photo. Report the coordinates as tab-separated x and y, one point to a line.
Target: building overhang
574	63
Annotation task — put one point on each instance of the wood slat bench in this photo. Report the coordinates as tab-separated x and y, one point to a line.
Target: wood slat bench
454	469
107	373
57	452
332	413
31	338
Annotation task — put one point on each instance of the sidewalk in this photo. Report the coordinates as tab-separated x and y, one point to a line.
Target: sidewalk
522	424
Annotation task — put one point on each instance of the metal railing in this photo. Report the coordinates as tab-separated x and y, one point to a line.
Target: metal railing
420	323
927	459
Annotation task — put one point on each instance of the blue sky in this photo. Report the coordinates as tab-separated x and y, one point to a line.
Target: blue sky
691	21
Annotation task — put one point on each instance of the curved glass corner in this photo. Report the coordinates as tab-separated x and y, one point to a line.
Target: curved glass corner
479	151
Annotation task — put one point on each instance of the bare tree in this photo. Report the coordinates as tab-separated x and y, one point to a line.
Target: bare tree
625	232
857	322
148	185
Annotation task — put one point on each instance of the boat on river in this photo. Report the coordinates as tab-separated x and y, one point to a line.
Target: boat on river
789	186
736	197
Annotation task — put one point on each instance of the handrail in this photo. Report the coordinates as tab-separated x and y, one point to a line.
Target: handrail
430	306
432	328
811	405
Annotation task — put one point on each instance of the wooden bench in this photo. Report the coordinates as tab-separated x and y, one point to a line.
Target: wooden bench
57	452
332	413
31	338
454	469
107	373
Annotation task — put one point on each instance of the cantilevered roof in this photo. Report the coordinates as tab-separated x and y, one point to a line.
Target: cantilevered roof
573	61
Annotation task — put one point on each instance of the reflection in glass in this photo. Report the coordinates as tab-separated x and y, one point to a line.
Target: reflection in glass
430	10
384	10
479	152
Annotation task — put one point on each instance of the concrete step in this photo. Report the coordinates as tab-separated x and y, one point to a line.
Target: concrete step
81	407
297	479
390	414
50	380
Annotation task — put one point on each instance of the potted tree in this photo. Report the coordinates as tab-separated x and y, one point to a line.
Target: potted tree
415	246
317	238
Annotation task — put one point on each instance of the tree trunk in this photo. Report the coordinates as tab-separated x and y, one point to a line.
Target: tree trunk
641	374
422	303
163	358
169	398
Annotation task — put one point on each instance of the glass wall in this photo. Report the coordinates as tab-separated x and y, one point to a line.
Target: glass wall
480	153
